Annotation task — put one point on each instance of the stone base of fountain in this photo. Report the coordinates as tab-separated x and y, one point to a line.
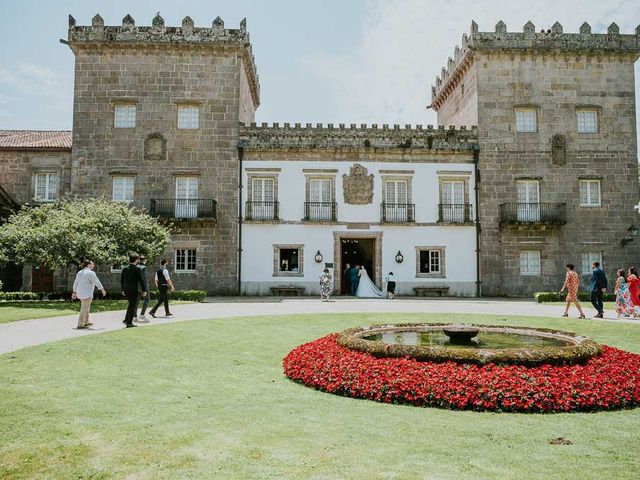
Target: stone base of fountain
460	333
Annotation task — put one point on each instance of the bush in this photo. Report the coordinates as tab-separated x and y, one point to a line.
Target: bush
181	295
19	296
543	297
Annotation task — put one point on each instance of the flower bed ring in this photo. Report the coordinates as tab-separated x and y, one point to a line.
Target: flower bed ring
568	348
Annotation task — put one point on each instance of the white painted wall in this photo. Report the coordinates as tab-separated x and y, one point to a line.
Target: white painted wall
259	238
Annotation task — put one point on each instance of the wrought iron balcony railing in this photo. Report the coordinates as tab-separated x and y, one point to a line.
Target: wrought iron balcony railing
455	213
320	211
183	208
397	212
261	211
533	213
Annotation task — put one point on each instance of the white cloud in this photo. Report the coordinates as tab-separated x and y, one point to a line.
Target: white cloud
387	77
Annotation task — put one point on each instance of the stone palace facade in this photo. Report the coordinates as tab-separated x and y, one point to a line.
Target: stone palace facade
533	164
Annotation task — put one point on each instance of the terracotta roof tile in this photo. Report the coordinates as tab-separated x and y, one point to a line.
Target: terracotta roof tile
34	139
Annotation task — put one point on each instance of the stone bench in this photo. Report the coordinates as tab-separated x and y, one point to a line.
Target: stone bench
431	291
289	291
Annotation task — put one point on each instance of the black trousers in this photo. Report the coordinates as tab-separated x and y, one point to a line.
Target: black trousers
596	301
145	303
132	307
354	286
163	297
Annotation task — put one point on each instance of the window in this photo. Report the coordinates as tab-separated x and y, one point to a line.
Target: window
188	117
46	187
117	268
396	207
186	197
123	189
320	204
587	121
288	260
530	263
430	262
588	259
526	121
263	204
125	116
590	193
453	204
185	260
528	208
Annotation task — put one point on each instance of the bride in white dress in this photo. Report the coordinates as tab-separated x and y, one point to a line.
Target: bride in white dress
366	288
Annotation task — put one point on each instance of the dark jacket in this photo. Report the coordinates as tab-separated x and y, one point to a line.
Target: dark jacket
143	269
131	279
353	274
598	280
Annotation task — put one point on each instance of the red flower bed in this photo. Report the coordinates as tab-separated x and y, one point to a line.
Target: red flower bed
605	382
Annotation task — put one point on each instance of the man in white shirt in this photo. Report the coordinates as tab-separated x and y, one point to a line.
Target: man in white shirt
86	281
163	283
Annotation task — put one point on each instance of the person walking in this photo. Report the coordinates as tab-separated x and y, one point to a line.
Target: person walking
598	287
145	299
83	286
131	283
391	285
325	285
347	279
163	283
634	290
571	284
354	279
624	305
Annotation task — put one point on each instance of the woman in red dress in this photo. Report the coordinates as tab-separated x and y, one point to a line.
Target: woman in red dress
571	283
634	290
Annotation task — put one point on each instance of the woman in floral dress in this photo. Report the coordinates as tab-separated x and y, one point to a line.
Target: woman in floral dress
624	305
571	284
634	290
325	285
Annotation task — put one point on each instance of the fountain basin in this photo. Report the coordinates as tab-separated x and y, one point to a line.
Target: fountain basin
467	343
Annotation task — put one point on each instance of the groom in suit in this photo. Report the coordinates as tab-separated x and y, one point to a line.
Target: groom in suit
354	279
132	283
598	287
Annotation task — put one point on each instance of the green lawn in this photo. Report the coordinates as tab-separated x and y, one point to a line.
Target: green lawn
207	399
12	311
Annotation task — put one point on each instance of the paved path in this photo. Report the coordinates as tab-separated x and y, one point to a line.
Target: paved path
20	334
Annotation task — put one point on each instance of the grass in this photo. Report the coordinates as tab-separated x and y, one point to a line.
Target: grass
207	399
13	311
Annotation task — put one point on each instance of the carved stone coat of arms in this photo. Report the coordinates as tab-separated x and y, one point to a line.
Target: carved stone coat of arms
358	186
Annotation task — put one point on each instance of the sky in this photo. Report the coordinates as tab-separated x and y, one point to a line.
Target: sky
328	61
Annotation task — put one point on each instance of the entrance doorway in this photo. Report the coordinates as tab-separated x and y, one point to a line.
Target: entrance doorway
41	279
357	251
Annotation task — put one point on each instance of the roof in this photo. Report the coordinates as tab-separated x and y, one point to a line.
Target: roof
35	139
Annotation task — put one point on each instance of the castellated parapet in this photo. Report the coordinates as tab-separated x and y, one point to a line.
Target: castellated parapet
528	40
383	137
129	34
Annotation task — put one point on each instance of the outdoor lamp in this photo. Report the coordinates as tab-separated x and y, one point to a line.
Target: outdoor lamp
633	231
399	257
318	257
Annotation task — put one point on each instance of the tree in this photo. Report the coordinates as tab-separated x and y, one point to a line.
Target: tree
68	232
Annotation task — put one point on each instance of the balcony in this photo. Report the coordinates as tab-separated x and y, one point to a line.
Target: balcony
261	211
533	214
183	208
455	213
397	212
319	211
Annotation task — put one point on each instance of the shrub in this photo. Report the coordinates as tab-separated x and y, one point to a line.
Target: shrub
181	295
543	297
19	296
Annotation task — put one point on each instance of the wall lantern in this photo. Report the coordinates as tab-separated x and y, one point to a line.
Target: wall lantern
318	257
399	257
632	233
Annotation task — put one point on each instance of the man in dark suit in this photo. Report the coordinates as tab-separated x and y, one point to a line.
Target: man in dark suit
354	279
347	279
598	287
132	283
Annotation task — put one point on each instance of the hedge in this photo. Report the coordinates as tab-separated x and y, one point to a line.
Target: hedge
580	351
182	295
542	297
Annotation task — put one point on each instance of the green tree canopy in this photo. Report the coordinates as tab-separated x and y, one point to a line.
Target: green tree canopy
58	234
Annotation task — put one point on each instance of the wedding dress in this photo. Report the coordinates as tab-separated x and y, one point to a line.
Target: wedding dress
366	288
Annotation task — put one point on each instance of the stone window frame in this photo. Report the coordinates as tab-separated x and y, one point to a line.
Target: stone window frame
590	179
116	103
188	104
462	176
124	175
443	266
534	274
526	107
320	174
185	245
397	176
589	108
34	180
276	259
254	174
186	260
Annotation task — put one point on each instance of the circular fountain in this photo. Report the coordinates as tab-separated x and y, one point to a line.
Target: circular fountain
471	343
